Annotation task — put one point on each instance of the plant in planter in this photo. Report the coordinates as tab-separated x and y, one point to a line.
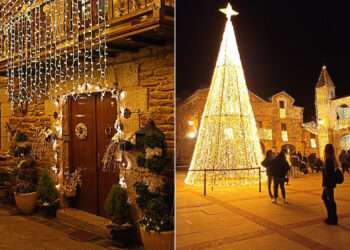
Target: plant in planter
154	192
25	194
48	195
72	183
154	156
157	221
117	208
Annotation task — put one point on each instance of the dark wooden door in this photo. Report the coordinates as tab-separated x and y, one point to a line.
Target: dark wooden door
98	116
106	112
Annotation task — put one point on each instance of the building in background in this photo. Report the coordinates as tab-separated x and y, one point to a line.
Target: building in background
333	115
279	122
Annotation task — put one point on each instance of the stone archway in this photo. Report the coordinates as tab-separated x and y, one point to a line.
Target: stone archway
290	148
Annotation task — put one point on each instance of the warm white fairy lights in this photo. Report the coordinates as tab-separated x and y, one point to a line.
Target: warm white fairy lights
228	136
51	43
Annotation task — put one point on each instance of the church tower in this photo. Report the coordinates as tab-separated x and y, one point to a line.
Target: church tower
324	94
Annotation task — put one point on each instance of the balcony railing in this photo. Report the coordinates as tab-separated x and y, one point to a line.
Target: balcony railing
125	7
342	124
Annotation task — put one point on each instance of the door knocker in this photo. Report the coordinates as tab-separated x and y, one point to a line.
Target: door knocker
109	131
81	131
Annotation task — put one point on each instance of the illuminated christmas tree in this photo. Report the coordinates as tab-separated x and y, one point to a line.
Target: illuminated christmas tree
228	136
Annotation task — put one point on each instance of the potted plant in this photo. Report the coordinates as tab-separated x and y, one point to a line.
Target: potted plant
117	208
154	194
25	194
47	195
73	182
157	221
4	184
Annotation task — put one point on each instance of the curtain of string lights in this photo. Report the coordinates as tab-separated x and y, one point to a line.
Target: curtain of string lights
51	43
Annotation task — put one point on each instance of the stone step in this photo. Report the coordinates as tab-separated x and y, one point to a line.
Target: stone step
84	220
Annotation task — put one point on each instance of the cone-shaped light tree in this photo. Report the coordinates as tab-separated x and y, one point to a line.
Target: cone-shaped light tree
228	136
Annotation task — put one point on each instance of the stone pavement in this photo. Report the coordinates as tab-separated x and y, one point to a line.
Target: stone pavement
37	233
243	218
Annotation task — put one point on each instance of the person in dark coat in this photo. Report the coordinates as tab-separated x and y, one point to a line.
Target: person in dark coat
267	163
343	159
280	168
328	184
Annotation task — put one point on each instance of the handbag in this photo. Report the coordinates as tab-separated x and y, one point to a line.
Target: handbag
339	176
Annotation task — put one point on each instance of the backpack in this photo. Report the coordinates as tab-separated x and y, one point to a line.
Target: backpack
339	177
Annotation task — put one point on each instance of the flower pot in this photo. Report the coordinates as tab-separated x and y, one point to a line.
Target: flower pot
157	240
49	211
26	202
123	236
70	194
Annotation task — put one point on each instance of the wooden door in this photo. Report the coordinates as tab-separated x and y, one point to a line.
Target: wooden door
83	151
99	117
106	112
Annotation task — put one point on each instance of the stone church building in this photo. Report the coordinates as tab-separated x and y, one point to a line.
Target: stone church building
333	115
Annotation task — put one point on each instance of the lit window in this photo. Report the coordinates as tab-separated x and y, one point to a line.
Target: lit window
284	132
313	143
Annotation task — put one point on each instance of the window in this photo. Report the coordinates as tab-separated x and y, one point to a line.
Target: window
259	124
284	127
313	143
281	104
282	107
284	132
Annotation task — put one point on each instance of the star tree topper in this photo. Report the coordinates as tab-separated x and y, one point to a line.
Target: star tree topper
229	12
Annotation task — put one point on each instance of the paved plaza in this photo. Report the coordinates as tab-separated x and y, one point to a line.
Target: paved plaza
243	218
36	233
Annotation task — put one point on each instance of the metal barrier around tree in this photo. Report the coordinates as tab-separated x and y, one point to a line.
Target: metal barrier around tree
223	170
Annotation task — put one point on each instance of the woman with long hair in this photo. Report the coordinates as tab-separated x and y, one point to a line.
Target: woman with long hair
267	163
328	183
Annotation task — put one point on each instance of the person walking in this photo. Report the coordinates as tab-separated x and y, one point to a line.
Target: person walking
328	184
280	168
343	159
267	163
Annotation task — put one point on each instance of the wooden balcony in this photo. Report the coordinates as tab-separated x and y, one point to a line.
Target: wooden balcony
132	24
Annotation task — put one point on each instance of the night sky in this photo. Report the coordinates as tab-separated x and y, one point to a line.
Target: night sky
283	45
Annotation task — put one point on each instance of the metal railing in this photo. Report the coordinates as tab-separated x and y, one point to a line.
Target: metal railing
224	170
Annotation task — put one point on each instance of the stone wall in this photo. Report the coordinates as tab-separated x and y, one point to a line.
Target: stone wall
147	76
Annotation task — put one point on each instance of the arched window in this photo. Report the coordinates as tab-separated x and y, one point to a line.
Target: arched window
343	112
345	142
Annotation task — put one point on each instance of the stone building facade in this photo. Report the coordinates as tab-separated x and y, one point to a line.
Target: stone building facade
333	115
279	122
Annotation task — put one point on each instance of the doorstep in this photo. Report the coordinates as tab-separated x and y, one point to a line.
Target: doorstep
84	220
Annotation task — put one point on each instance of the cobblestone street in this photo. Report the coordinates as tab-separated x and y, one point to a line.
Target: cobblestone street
243	218
36	233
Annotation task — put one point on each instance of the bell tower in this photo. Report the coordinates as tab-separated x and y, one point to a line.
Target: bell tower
324	94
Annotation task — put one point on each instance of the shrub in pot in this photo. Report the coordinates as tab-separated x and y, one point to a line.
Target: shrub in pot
25	194
25	197
157	222
117	208
47	195
154	198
